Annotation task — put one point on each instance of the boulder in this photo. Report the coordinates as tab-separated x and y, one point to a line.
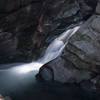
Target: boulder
33	22
61	71
80	60
84	46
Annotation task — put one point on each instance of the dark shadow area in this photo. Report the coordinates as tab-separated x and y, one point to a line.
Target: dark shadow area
24	86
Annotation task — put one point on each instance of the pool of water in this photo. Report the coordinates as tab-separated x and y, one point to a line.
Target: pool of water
24	86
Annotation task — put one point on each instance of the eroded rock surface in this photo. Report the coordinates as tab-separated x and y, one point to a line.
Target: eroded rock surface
33	22
62	71
80	60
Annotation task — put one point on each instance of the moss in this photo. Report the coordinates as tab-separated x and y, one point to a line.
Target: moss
83	37
79	63
75	59
76	50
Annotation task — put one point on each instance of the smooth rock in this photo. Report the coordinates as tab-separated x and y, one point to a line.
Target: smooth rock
80	60
59	70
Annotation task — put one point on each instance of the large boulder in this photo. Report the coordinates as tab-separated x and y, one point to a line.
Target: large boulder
83	49
80	60
61	71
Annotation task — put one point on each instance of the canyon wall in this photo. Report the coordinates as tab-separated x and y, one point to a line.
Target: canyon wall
18	20
80	60
27	25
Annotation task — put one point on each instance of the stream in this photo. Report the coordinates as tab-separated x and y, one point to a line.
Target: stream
18	80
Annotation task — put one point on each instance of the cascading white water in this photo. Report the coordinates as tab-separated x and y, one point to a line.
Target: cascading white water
53	51
56	47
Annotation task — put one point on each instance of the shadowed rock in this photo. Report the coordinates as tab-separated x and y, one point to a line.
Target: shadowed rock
80	59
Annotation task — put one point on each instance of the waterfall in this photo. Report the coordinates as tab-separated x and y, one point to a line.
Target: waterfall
53	51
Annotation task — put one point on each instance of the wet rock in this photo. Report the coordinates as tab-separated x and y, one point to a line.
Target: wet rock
8	44
61	13
32	22
45	74
80	60
95	24
62	71
84	46
96	81
88	85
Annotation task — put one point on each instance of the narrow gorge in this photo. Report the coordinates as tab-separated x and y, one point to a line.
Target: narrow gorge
49	49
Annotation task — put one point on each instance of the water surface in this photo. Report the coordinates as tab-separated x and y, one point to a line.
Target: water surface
18	80
24	86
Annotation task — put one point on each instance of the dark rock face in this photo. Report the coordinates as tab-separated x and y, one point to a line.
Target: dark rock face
8	45
62	71
59	13
80	61
32	21
11	5
20	21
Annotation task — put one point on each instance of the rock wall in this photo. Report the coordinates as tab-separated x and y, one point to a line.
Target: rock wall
31	22
19	19
84	46
80	60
